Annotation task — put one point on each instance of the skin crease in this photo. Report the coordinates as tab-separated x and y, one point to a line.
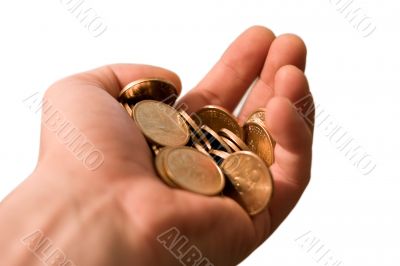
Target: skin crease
113	214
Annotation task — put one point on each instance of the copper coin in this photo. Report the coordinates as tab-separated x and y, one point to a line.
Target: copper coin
217	143
221	154
196	134
257	115
159	165
148	89
235	139
189	120
191	170
201	139
161	124
231	145
250	178
200	148
259	141
218	156
217	118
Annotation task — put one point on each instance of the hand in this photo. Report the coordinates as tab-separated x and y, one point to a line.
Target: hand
112	215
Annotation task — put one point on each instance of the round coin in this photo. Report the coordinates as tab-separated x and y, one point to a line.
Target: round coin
193	126
159	165
231	145
257	115
200	148
218	156
160	123
196	135
217	118
191	170
149	89
235	139
195	141
251	179
259	141
217	143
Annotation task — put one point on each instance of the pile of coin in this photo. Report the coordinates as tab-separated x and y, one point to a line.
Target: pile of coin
206	152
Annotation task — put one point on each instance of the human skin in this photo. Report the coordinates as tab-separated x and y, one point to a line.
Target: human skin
113	215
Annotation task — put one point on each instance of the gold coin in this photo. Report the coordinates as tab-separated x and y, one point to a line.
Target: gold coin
221	154
251	179
160	123
217	143
196	135
200	139
235	139
159	165
257	115
196	140
191	170
218	156
231	145
217	118
189	121
259	141
200	148
149	89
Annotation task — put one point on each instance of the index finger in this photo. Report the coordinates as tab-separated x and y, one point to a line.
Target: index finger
233	74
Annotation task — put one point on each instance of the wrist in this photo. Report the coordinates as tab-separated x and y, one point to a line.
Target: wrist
48	219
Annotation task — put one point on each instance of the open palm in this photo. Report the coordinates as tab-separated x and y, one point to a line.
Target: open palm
135	203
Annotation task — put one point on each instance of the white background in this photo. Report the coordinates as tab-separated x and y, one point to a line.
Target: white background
354	79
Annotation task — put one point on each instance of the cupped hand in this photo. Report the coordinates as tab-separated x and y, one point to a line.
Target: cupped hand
119	212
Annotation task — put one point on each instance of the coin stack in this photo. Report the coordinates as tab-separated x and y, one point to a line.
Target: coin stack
206	152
